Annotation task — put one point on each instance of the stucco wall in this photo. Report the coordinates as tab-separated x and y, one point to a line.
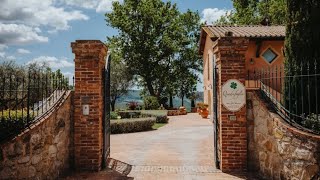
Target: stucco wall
208	73
276	149
260	62
42	152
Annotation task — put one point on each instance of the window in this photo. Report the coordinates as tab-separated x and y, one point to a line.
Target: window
269	55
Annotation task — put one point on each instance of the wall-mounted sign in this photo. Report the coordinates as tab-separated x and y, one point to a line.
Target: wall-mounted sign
233	95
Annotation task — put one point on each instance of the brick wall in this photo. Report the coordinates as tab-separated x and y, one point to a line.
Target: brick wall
232	134
89	67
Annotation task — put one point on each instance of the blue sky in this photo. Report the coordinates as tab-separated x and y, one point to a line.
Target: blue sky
41	31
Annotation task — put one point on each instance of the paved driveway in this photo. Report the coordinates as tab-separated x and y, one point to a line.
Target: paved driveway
183	149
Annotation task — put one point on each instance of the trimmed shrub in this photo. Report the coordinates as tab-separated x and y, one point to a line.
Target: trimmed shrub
113	115
132	125
129	114
151	103
160	118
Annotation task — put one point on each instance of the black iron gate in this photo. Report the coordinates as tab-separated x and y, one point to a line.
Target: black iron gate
215	113
106	113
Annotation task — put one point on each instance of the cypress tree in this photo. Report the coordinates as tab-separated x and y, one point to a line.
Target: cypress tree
302	50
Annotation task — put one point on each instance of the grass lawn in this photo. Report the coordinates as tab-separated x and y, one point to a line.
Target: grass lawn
158	125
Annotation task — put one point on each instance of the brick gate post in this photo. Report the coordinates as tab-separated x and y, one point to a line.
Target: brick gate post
88	103
232	131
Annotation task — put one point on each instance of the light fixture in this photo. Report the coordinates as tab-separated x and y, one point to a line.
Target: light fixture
251	61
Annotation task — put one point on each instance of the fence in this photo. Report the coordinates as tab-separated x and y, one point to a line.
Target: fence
292	91
25	97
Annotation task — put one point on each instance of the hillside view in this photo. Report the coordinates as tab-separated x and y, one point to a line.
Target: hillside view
134	95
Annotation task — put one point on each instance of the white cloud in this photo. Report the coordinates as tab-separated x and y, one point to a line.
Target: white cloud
3	47
23	51
19	34
211	15
101	6
52	62
38	13
2	54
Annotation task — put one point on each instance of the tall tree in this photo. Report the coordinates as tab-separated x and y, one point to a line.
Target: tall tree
253	12
152	34
302	56
120	79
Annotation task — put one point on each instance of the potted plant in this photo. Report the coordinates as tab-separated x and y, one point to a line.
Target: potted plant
199	106
203	109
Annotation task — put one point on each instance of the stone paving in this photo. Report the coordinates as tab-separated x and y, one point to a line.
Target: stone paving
183	149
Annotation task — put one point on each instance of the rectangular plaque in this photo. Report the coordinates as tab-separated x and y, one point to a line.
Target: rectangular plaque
232	117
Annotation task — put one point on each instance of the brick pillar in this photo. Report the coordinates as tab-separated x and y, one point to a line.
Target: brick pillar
232	134
89	67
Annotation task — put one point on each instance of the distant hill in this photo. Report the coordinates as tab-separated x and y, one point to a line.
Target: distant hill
134	95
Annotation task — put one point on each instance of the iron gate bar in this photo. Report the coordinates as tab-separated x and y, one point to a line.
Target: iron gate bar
106	113
215	118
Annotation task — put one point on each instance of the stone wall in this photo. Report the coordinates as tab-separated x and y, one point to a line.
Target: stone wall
43	151
276	149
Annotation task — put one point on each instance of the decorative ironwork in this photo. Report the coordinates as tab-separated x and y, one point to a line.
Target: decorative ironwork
26	97
292	91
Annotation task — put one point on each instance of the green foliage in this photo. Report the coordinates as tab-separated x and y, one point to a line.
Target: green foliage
312	122
120	78
253	12
154	37
13	122
113	115
302	53
132	125
151	103
129	114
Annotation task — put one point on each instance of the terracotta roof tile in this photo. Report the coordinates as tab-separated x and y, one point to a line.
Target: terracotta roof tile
246	31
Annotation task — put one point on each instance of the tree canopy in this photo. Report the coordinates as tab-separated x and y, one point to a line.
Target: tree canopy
253	12
155	38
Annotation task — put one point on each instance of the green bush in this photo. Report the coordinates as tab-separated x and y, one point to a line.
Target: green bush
132	125
161	116
151	103
129	114
13	123
113	115
312	122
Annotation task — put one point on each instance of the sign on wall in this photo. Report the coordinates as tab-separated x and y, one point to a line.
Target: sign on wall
233	95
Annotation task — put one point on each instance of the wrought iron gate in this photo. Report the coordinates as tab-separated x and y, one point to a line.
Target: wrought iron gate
106	112
215	113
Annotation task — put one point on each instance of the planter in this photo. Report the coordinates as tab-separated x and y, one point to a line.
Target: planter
194	110
182	111
204	113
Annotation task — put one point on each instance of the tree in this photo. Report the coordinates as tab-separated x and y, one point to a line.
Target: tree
120	79
186	85
152	34
253	12
302	56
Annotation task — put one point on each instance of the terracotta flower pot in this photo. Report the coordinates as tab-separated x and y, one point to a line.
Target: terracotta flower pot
204	113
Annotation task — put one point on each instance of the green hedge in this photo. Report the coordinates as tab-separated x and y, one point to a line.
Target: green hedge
129	114
132	125
13	123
